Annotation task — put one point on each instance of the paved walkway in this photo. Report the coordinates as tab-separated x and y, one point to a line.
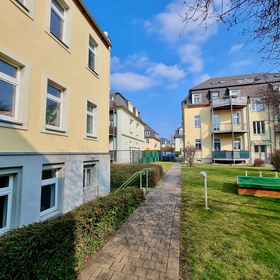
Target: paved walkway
147	244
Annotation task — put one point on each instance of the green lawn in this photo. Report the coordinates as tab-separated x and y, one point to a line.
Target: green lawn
165	165
238	238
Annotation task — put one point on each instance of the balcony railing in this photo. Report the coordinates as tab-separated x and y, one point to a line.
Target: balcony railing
229	127
229	154
112	130
236	101
113	105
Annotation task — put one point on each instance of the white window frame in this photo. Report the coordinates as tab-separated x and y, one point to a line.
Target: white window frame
236	116
237	140
27	7
257	105
20	119
111	122
62	17
234	92
196	98
3	192
86	184
131	126
181	132
60	102
96	51
197	121
137	129
218	140
255	126
92	115
64	115
147	133
16	83
197	142
65	41
215	95
147	141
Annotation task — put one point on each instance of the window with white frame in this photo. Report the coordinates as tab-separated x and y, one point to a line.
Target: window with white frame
112	122
137	129
197	121
180	131
14	90
49	191
58	20
9	89
217	144
197	144
235	118
59	24
181	141
234	92
54	107
90	119
87	176
93	50
6	183
215	95
196	98
259	127
257	104
147	141
147	133
237	144
131	126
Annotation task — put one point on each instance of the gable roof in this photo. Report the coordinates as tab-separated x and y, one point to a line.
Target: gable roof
152	132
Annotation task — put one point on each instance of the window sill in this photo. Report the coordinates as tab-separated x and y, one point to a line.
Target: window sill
93	72
60	42
91	137
50	130
12	124
50	215
24	9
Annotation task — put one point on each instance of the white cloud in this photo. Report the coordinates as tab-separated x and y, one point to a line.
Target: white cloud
202	79
171	73
131	82
115	64
190	54
170	25
235	48
238	64
172	86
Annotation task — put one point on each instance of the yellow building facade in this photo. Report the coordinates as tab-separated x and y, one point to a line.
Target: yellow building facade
54	109
226	120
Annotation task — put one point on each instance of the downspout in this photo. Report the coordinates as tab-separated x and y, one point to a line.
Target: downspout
248	128
232	133
274	133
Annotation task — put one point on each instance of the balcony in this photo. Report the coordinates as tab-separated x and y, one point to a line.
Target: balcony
113	105
229	127
112	130
228	155
237	102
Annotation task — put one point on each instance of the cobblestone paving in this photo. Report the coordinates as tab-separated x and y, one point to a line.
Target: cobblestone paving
147	244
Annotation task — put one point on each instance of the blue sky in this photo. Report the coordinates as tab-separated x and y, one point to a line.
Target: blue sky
153	67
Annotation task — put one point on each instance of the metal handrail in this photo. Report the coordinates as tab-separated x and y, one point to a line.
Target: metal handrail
134	176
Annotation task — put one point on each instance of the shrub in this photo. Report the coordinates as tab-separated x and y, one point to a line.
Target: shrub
121	172
59	248
178	153
258	162
274	159
189	153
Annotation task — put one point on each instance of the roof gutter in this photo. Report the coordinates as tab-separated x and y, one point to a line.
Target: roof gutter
84	9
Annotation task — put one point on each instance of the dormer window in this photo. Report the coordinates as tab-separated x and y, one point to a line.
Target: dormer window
234	92
215	95
181	131
196	98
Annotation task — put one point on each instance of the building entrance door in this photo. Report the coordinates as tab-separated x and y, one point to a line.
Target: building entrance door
260	151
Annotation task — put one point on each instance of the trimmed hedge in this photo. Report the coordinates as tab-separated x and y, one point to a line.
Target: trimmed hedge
59	248
121	172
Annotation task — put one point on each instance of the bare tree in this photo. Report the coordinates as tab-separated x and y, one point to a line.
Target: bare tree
189	153
261	21
168	148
